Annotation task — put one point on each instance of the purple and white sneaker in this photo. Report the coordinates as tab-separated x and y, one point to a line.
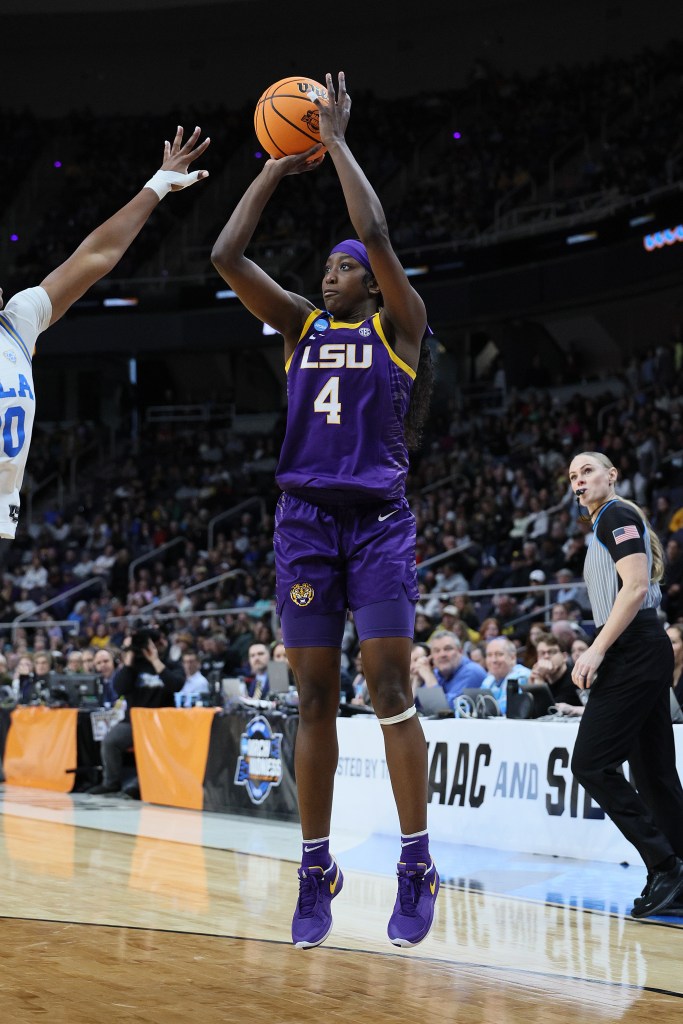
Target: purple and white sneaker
312	921
413	916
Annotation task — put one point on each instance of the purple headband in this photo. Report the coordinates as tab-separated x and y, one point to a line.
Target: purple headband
354	248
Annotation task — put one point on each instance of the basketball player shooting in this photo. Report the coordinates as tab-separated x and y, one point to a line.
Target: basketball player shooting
30	312
358	378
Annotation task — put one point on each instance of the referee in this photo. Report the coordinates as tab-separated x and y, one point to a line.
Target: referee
628	668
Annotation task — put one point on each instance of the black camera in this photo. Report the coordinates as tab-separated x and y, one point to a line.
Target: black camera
140	638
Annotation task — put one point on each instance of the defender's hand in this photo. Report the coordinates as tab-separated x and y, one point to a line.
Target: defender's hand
178	157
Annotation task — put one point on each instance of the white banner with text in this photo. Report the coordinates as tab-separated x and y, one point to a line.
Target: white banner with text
493	783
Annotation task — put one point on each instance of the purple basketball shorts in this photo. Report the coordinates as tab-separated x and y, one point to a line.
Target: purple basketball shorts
330	559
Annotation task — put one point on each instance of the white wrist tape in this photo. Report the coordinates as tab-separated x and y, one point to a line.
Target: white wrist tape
162	181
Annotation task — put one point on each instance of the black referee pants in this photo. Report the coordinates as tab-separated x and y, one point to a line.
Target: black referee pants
628	718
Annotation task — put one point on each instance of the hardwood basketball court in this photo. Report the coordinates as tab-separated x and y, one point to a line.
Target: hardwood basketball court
118	911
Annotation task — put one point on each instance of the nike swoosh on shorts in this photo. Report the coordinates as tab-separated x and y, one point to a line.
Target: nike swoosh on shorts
382	518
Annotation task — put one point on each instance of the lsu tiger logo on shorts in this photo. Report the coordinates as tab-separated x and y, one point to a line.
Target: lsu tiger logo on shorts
302	594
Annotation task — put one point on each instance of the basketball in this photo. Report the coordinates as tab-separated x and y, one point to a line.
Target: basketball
285	120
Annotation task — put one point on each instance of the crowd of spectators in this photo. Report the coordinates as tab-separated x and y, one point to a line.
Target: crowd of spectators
88	165
443	163
510	128
488	489
28	134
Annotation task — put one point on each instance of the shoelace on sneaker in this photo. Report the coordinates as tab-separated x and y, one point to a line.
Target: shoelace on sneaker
409	891
308	894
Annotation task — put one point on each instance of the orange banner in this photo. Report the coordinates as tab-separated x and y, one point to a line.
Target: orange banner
171	747
41	748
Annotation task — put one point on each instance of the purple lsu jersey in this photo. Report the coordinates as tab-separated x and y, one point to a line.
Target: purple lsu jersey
348	394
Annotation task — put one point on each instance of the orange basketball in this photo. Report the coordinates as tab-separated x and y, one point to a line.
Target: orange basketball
285	119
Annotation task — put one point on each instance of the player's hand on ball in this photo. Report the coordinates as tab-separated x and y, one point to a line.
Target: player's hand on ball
334	112
299	163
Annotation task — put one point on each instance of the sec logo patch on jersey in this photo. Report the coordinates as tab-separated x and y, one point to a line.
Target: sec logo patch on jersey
302	594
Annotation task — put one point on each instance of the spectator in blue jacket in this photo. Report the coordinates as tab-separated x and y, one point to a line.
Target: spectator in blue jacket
448	667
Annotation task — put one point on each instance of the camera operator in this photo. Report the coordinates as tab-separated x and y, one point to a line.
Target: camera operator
145	680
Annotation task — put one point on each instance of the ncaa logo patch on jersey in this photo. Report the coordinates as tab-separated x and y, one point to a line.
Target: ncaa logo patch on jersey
321	325
364	332
11	356
302	594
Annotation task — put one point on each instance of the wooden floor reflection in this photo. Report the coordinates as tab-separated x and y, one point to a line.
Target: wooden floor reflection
98	926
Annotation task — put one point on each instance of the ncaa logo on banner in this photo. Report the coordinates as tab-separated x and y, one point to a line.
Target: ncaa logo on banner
259	766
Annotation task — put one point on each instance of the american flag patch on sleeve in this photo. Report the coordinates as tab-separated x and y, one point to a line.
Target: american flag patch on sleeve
625	533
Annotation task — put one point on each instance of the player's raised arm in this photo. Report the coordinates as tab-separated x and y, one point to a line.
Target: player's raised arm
265	298
99	253
404	312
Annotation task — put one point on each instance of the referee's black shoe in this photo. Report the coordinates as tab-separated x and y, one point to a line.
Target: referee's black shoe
664	890
675	908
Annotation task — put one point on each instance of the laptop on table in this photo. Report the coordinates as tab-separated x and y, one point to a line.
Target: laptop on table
432	701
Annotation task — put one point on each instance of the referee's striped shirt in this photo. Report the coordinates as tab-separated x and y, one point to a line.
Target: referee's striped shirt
618	531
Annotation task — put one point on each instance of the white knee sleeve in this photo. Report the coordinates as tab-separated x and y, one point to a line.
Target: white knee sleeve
395	719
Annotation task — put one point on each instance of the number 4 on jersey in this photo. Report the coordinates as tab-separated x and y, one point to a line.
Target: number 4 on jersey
328	401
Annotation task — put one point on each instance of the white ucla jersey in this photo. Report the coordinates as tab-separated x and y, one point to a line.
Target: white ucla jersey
27	314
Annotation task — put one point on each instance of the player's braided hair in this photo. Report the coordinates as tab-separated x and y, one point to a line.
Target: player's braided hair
420	398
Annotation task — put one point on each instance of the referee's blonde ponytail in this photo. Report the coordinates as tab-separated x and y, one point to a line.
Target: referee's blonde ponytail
655	543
